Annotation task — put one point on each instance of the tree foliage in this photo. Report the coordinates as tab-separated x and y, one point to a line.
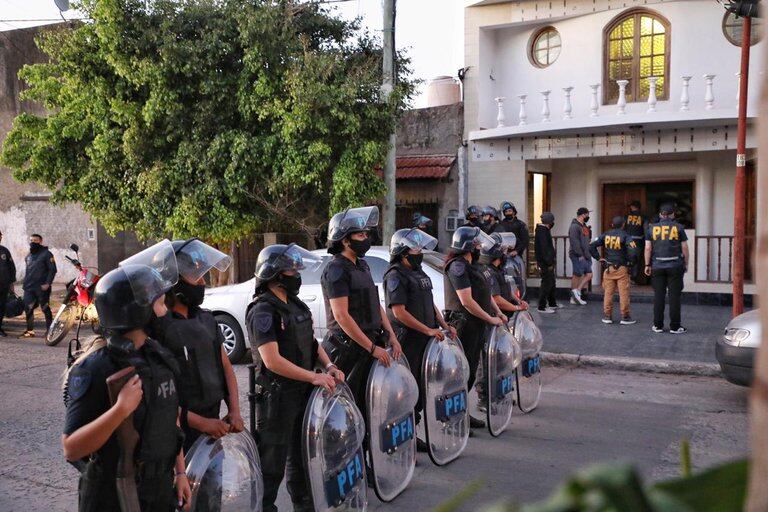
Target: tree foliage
214	118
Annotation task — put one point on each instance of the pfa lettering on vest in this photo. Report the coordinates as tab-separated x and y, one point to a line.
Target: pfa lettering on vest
166	389
665	233
613	242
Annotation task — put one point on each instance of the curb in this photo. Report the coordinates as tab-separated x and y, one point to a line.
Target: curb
633	364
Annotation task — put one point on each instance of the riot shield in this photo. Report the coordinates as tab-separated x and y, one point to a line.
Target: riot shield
444	374
332	445
391	395
503	356
225	474
529	373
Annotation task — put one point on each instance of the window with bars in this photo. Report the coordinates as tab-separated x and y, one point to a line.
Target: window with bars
636	48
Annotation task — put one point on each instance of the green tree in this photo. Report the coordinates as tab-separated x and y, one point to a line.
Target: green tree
214	118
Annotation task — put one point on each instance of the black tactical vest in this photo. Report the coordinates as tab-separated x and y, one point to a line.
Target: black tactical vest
363	301
501	278
480	279
615	247
194	343
420	302
295	337
634	226
667	247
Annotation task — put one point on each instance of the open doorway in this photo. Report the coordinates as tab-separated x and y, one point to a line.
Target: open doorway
617	196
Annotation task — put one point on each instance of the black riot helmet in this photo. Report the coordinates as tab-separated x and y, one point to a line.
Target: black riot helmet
405	239
506	205
279	258
195	258
502	242
466	238
124	296
421	220
472	211
490	210
352	220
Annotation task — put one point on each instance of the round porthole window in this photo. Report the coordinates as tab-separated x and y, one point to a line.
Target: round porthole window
545	47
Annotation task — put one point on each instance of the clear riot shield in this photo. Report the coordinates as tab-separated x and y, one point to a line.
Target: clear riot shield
332	444
503	356
529	373
225	474
391	395
445	373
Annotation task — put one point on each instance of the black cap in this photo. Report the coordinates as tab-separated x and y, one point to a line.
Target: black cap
547	218
617	221
582	211
636	204
667	209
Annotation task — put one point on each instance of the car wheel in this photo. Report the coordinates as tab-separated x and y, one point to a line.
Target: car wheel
234	341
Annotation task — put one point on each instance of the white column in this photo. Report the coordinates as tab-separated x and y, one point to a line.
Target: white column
523	115
652	80
705	182
593	104
709	95
501	117
622	102
684	98
545	107
567	108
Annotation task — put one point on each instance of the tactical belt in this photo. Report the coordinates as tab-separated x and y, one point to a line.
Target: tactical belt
669	258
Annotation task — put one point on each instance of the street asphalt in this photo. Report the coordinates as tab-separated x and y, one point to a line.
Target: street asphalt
585	416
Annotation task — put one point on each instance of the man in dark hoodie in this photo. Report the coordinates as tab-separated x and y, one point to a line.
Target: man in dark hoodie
544	248
7	278
41	269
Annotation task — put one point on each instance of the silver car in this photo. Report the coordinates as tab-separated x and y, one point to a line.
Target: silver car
228	303
735	350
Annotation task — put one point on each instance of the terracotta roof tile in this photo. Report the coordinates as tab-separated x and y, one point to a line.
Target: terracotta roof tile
423	167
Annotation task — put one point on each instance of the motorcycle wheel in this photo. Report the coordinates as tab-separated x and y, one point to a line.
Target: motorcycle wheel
62	323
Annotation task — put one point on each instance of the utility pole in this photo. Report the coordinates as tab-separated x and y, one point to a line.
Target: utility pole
746	9
390	165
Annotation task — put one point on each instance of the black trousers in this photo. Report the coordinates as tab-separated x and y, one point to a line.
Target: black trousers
279	428
414	345
472	336
547	287
636	272
4	290
37	297
667	281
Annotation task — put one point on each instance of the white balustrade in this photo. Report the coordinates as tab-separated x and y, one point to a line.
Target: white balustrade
622	102
501	117
567	107
652	99
523	115
709	95
684	98
545	107
593	104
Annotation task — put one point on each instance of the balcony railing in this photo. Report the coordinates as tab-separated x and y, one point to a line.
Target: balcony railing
563	268
714	259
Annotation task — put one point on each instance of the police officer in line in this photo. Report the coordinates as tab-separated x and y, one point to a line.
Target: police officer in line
511	224
468	303
635	227
192	334
38	277
421	222
472	216
619	255
501	289
125	299
280	330
666	262
410	306
490	219
358	327
7	278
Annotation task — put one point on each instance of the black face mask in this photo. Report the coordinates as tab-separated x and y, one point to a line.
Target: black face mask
509	216
414	260
586	219
34	247
292	284
191	295
360	247
475	255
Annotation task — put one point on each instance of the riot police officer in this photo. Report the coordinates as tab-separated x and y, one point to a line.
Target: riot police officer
635	227
421	222
125	299
468	302
666	261
410	305
358	327
619	255
490	219
193	336
495	258
284	346
472	216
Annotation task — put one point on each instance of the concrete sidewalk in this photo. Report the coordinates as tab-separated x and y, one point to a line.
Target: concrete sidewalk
578	330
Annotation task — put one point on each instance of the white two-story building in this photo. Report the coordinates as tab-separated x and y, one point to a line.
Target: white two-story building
596	103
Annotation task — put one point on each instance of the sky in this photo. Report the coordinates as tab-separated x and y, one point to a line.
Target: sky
431	31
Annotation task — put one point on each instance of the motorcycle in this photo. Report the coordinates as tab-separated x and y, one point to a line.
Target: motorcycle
78	303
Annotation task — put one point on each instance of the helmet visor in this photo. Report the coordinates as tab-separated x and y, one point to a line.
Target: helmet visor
196	258
353	220
508	240
486	242
146	283
162	260
297	258
414	239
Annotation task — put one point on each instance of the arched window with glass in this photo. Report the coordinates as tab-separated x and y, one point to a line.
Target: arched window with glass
636	48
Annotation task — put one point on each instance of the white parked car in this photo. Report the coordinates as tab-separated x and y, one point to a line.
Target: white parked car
228	303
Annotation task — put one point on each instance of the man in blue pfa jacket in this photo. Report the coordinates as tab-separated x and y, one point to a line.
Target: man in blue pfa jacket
41	269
